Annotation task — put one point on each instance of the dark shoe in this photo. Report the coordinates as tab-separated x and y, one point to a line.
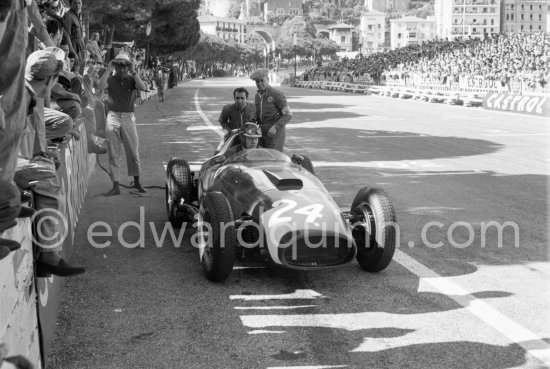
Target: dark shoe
4	251
26	212
140	188
113	192
62	269
10	244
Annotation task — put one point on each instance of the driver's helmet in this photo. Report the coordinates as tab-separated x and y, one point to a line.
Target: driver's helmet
251	130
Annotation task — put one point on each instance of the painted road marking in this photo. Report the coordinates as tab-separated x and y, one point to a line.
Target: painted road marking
298	294
263	331
512	134
273	307
378	164
421	328
308	367
203	116
510	329
201	128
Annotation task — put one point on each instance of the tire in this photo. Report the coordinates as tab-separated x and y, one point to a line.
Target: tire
373	229
221	248
179	185
304	161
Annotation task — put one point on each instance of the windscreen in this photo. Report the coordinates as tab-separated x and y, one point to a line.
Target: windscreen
252	155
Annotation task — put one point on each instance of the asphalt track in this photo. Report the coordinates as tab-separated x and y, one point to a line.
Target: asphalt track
455	296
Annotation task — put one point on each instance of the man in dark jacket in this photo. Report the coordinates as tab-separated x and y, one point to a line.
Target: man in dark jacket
272	111
233	116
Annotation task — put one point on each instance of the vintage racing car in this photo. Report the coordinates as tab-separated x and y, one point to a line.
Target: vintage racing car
263	202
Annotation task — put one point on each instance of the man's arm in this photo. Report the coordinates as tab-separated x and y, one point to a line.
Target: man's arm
282	105
103	80
36	20
139	83
224	118
59	92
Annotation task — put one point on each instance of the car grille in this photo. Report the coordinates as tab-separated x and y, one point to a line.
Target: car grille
304	253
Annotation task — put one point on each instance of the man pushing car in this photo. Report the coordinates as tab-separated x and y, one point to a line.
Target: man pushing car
272	111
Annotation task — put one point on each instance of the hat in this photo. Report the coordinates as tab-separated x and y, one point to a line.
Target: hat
259	73
252	130
42	64
122	59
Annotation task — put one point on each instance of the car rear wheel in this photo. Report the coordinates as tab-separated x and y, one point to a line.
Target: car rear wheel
179	185
374	229
218	237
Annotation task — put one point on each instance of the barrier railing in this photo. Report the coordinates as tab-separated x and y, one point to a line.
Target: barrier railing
29	305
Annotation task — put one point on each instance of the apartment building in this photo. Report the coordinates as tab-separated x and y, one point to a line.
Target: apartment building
225	28
387	5
525	16
411	30
372	31
467	18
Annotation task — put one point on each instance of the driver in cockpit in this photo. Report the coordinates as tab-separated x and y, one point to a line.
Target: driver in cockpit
249	139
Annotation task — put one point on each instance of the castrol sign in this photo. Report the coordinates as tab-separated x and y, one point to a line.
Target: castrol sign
535	105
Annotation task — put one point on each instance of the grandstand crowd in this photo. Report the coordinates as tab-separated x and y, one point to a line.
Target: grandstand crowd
523	57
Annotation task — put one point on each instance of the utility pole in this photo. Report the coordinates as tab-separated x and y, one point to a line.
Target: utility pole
295	44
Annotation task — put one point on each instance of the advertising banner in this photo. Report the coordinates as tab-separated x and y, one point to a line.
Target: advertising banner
75	170
534	105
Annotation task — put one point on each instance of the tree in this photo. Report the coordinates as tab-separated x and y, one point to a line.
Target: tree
175	25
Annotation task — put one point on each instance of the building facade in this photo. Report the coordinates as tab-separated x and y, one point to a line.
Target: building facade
372	31
411	30
387	5
282	7
342	34
525	16
224	28
467	18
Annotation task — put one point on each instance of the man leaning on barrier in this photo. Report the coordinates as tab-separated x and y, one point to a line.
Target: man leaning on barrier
36	169
272	111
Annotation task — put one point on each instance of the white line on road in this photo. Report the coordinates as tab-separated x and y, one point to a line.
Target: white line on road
298	294
263	331
273	307
204	117
308	367
489	315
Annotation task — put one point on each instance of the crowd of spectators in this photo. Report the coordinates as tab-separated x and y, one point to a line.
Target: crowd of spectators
523	57
49	90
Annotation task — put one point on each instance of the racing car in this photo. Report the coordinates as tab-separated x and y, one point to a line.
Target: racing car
262	202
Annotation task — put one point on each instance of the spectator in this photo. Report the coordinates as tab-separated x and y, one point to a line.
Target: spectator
13	44
73	26
121	122
93	48
272	111
41	73
233	116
